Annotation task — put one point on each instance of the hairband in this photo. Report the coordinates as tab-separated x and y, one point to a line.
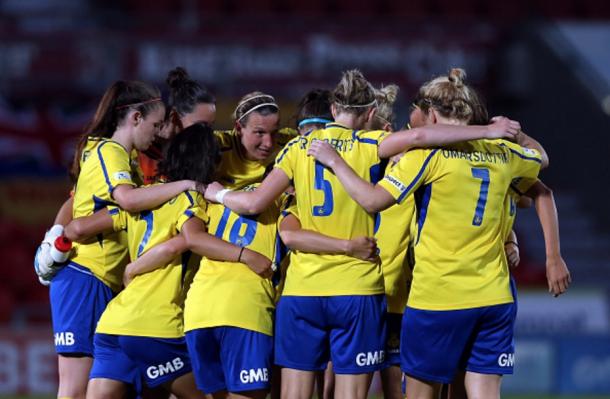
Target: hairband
252	98
257	107
313	120
152	100
372	103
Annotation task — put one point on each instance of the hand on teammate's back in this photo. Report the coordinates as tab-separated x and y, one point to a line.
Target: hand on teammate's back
512	254
211	190
364	248
323	152
557	275
503	128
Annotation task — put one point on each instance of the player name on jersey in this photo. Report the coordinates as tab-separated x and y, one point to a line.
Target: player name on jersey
476	156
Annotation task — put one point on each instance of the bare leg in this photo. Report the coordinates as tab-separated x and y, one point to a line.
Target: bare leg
73	376
352	386
297	384
391	381
482	386
105	388
418	389
184	387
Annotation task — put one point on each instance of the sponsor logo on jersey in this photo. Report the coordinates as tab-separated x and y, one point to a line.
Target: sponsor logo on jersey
254	375
506	360
65	338
162	369
396	183
122	176
530	152
370	358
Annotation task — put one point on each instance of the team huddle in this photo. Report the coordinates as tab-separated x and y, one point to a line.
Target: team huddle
273	259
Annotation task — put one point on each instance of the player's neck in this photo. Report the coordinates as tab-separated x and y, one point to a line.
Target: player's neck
349	120
122	136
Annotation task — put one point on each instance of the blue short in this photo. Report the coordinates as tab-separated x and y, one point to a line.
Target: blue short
392	346
230	358
78	299
349	330
435	344
109	361
159	360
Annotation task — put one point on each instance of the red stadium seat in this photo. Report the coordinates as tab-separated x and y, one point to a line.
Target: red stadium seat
253	7
210	8
7	304
556	8
415	8
307	8
463	8
357	7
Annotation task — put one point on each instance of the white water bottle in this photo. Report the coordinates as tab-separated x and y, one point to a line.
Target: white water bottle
60	250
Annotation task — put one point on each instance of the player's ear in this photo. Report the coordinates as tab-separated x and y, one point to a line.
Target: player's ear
371	114
333	110
238	127
135	118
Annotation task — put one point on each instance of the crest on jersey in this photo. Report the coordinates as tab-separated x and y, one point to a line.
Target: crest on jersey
122	176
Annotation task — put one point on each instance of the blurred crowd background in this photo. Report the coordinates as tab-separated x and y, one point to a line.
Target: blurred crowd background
545	63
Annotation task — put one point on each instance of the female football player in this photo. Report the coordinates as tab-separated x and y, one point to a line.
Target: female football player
332	305
460	309
128	117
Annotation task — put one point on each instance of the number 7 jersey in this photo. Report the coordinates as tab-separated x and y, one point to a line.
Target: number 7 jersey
325	207
460	194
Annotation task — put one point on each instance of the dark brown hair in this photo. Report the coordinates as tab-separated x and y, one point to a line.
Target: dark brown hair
118	100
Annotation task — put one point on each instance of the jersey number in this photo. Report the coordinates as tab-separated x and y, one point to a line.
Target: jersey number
147	216
235	236
483	174
324	185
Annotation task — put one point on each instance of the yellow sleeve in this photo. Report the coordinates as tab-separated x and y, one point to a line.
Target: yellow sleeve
520	185
286	159
408	174
371	136
289	206
525	162
195	206
119	218
115	163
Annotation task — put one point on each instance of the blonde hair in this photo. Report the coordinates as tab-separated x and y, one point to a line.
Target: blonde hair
260	102
449	96
354	94
386	97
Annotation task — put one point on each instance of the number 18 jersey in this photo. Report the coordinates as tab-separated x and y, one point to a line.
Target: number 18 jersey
460	196
325	207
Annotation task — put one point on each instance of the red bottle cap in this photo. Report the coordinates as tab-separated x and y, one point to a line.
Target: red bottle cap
62	244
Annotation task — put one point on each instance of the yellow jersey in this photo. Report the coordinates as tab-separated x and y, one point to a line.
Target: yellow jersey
324	206
151	305
230	293
235	170
459	248
393	235
105	164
